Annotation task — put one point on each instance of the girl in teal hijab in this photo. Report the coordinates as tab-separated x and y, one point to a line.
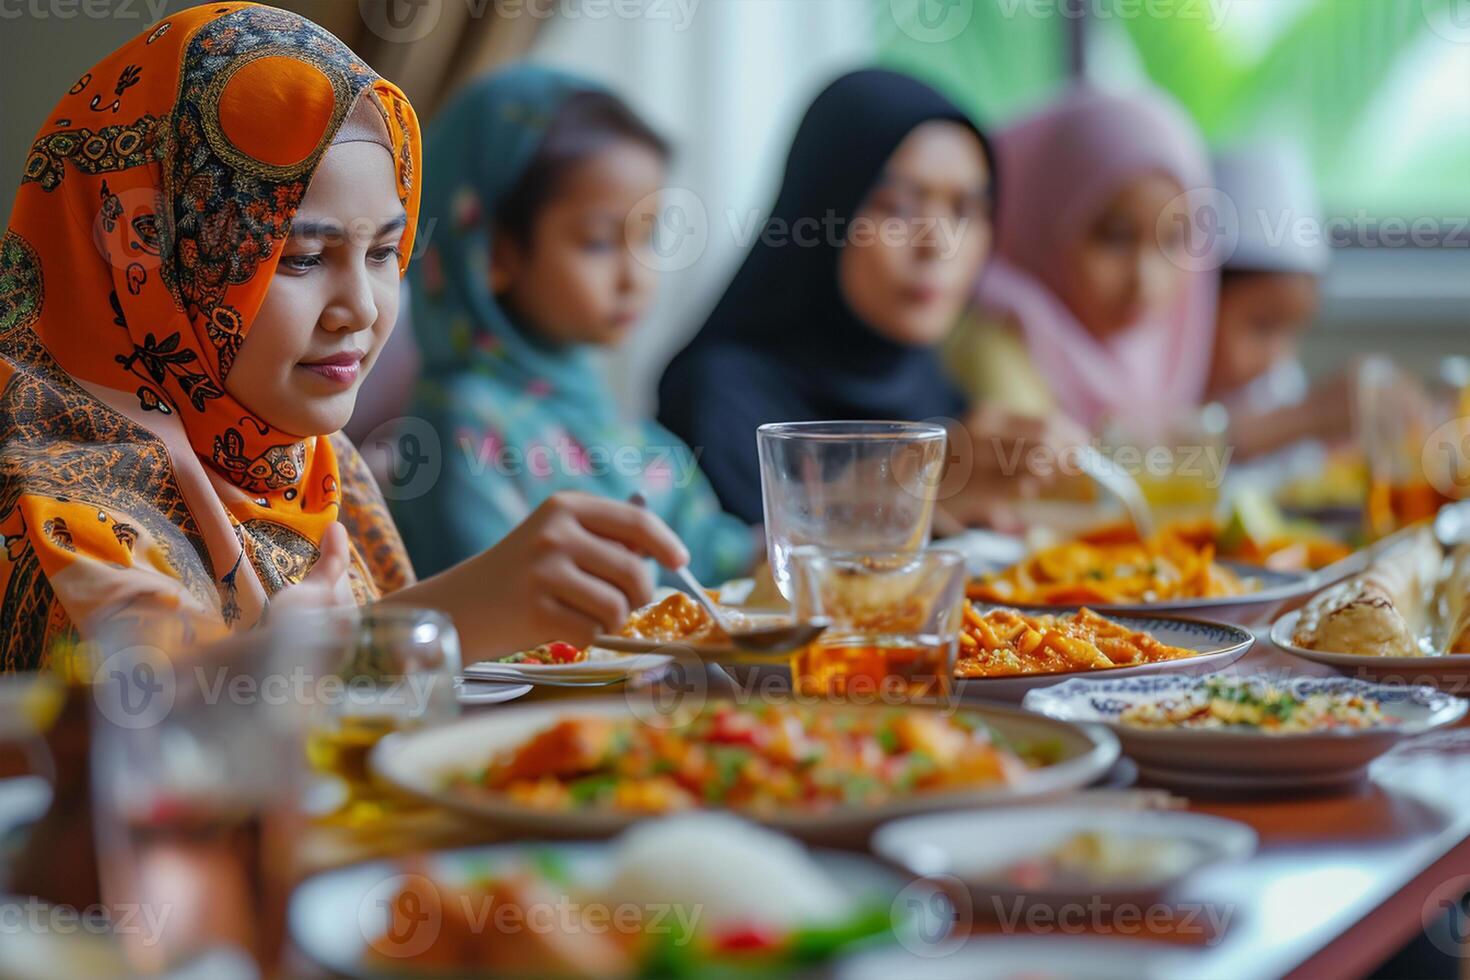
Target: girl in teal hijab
540	190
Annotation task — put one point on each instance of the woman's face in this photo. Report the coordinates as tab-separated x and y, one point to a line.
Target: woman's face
1126	265
333	300
580	279
918	242
1261	322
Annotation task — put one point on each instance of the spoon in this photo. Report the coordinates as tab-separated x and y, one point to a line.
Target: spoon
1121	485
782	638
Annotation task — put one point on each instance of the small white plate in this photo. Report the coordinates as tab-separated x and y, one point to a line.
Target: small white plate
1241	758
469	691
1448	672
1218	646
334	915
977	848
599	669
420	763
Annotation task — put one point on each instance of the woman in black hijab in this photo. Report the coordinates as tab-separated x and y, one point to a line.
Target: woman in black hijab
867	259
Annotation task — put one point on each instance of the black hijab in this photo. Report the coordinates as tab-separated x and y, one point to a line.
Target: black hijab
782	345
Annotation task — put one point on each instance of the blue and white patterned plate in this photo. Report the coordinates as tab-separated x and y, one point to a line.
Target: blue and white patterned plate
1243	758
1218	645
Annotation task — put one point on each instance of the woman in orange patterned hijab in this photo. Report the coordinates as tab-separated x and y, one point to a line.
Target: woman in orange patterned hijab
185	311
148	227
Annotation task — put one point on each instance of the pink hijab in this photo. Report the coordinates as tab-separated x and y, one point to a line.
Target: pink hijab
1057	168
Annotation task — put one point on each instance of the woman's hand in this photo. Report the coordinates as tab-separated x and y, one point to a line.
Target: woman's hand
573	569
326	585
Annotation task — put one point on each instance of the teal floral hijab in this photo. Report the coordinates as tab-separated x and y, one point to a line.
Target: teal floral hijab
519	418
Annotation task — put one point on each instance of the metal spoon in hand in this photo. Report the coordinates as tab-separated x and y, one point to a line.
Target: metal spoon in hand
761	639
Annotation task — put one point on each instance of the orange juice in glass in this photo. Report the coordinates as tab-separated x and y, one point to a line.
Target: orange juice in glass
893	623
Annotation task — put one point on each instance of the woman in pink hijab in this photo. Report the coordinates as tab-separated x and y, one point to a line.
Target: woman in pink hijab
1099	303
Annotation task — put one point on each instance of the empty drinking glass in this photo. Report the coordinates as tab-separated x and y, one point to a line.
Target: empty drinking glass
850	486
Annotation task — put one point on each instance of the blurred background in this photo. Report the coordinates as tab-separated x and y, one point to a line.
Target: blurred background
1375	92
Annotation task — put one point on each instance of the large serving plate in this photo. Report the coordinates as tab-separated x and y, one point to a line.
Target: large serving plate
420	764
334	915
1448	672
1240	758
1251	609
1219	645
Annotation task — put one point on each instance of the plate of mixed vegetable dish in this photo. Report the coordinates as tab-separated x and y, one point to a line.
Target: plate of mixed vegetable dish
819	769
1256	731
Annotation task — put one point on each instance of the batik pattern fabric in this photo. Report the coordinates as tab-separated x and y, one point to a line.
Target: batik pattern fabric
146	231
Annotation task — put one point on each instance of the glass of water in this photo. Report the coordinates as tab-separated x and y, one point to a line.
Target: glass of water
848	486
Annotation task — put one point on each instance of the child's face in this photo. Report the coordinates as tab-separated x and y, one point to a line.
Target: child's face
1123	268
915	247
1261	322
580	279
333	300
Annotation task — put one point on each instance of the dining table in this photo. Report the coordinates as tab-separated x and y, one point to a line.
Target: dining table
1340	881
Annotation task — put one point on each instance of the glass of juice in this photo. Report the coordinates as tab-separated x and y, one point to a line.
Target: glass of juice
1396	415
894	623
383	669
857	486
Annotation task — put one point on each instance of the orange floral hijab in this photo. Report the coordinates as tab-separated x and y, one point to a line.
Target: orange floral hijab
145	234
